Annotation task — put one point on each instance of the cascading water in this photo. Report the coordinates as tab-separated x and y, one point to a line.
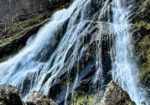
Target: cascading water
124	69
61	51
51	53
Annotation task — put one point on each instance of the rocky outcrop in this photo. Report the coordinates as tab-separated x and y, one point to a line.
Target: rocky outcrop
15	37
9	95
114	95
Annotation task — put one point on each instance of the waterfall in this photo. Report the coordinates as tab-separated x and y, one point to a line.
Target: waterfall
124	70
55	54
51	53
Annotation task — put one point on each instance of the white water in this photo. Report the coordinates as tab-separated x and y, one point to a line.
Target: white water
52	52
124	70
44	57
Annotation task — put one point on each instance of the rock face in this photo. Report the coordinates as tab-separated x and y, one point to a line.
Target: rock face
20	10
114	95
9	95
141	37
35	98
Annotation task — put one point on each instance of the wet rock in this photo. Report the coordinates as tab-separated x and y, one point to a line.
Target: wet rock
114	95
35	98
16	38
9	95
141	39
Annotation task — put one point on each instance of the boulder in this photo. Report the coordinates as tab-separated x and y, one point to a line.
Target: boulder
114	95
9	95
36	98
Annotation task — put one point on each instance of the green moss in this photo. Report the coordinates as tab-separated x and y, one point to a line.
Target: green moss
144	45
27	23
145	69
141	24
15	36
82	98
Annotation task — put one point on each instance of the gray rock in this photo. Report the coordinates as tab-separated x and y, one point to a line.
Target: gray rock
35	98
114	95
9	95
